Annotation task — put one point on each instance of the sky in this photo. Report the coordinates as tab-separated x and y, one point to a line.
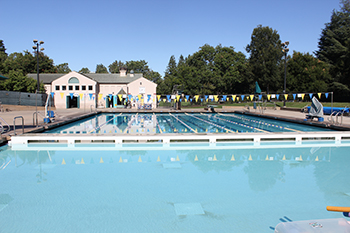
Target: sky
85	33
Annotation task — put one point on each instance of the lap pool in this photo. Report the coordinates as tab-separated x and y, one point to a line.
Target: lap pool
182	187
160	123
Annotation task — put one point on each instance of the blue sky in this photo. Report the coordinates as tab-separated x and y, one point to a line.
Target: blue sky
87	33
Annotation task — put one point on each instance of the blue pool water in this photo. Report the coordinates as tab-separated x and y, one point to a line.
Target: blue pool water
182	188
125	123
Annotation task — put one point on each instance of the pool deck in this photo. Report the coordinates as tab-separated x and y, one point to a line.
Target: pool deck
68	115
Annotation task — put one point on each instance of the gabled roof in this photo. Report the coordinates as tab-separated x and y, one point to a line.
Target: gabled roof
45	78
100	78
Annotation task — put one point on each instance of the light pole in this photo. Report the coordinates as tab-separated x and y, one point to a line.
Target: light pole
36	47
36	50
285	50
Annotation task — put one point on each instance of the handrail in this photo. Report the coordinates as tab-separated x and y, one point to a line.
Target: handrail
14	124
336	117
330	118
8	126
91	108
37	118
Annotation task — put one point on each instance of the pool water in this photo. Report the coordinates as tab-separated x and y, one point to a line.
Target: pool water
127	123
184	188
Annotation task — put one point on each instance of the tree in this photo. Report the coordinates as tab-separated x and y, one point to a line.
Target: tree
334	44
101	69
153	76
230	69
170	77
115	66
27	63
63	68
17	81
137	66
3	56
307	74
265	55
84	70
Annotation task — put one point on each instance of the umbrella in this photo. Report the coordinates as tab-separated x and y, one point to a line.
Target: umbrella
257	88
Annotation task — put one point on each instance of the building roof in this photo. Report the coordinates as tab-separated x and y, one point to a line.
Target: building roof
98	77
46	78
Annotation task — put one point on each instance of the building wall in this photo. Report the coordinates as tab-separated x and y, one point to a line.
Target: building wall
143	87
139	92
86	97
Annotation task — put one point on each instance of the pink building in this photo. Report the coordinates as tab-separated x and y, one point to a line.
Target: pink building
76	90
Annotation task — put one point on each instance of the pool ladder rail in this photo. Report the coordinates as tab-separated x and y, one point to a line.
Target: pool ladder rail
336	115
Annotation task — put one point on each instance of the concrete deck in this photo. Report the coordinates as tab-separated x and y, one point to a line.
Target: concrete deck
64	115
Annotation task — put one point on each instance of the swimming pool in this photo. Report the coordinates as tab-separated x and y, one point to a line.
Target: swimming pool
159	123
199	187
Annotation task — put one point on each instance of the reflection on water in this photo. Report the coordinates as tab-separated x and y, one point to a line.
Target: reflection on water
142	188
122	123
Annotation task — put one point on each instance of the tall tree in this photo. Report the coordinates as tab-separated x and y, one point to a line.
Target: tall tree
28	63
63	68
230	69
307	74
137	66
115	66
100	68
265	55
3	56
170	77
334	44
84	70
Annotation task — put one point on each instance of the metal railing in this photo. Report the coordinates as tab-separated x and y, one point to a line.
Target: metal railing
14	124
2	127
337	114
36	118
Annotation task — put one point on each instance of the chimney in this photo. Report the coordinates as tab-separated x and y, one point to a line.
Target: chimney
122	71
131	73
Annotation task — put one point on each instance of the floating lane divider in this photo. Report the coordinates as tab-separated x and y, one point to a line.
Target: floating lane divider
211	123
241	124
260	122
155	117
99	127
130	123
183	123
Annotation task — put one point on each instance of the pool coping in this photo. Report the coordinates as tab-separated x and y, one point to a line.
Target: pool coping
141	137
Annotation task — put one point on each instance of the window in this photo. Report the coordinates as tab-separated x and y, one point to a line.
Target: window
77	88
57	88
70	88
83	87
73	80
64	87
140	83
90	87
